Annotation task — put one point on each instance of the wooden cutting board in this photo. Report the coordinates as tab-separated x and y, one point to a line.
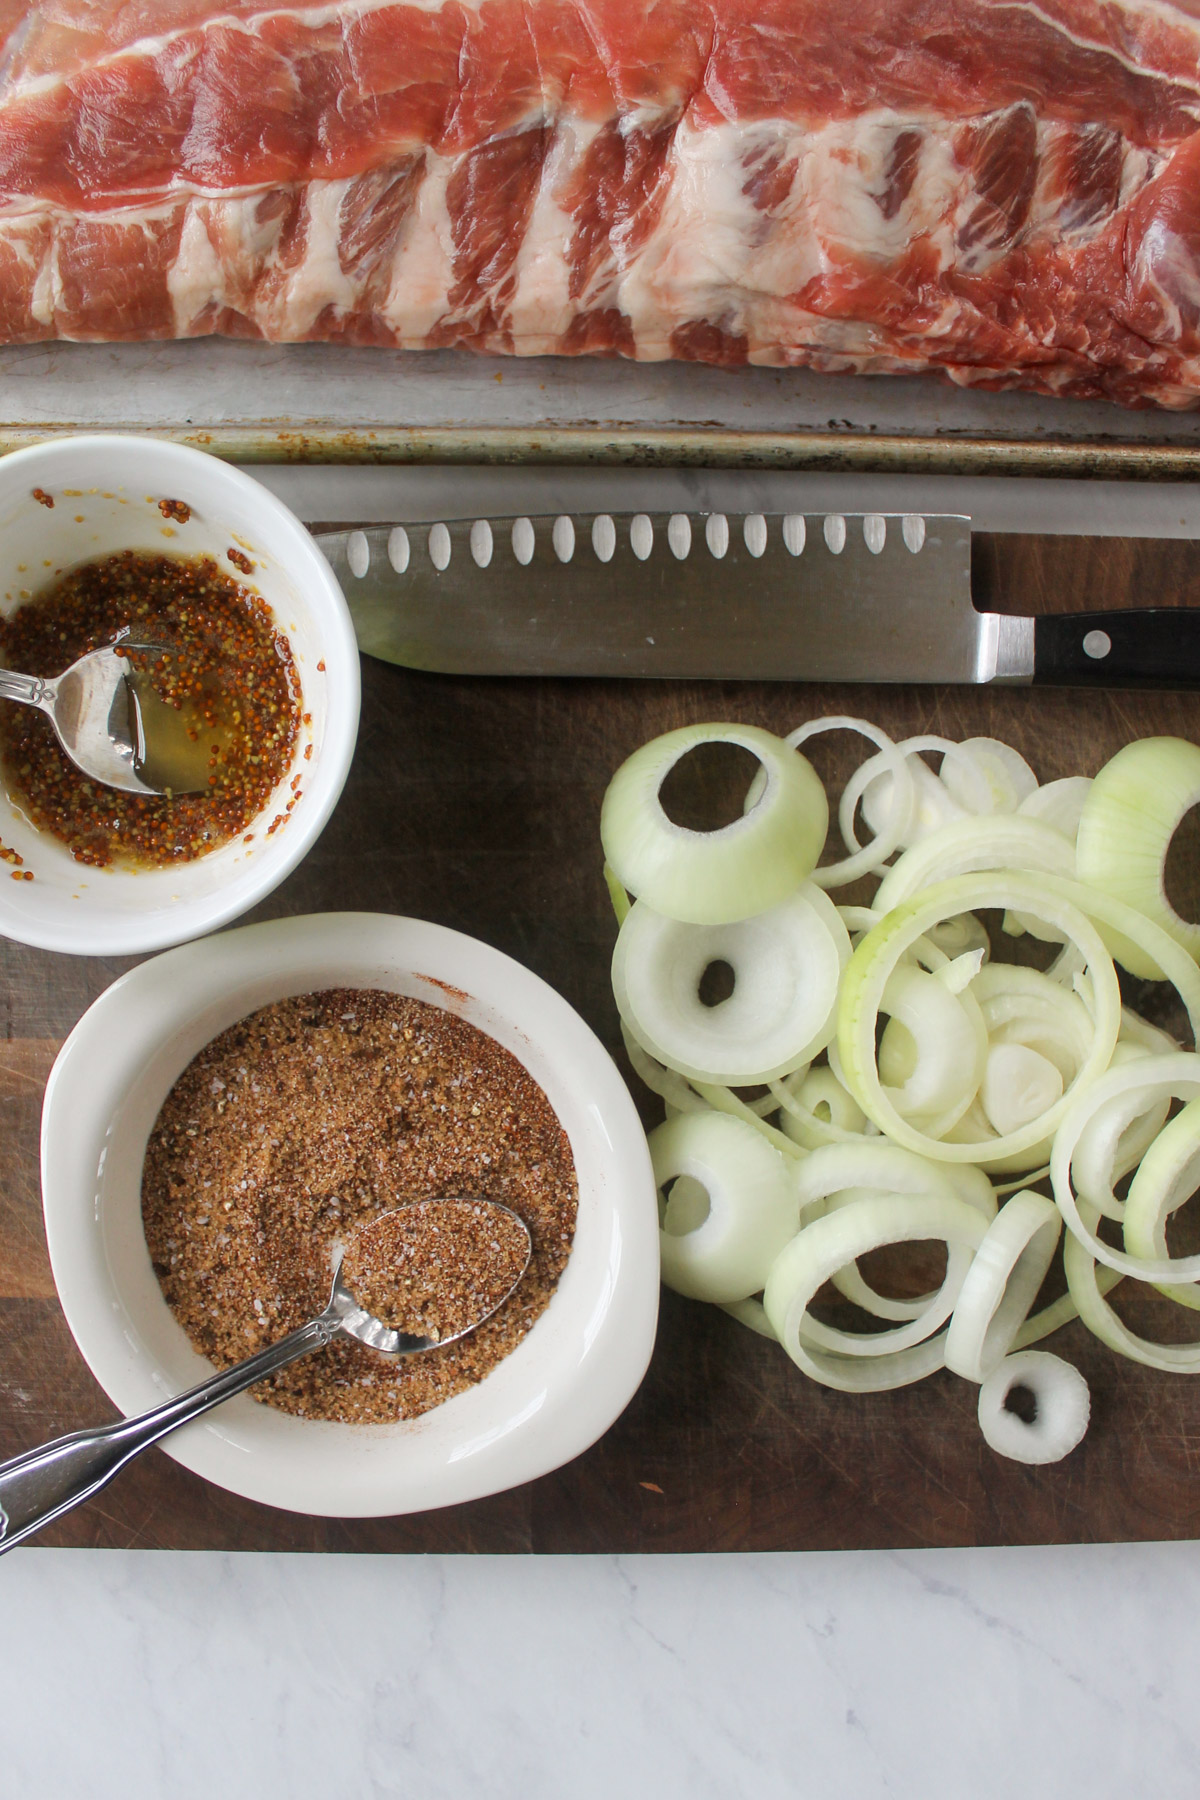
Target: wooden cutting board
475	803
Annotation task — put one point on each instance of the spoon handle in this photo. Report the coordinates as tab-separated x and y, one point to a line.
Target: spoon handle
30	690
44	1483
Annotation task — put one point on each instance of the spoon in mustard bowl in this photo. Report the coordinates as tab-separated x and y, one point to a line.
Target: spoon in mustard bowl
96	710
437	1269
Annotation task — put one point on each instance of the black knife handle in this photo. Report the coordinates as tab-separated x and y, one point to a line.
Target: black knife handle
1155	648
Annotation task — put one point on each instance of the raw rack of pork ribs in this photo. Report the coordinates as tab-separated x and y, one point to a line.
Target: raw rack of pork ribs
1008	193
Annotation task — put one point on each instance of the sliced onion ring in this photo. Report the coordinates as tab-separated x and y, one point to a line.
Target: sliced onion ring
933	805
1063	1408
863	860
668	1084
937	1072
1176	1075
1060	1312
829	1244
871	1165
1168	1175
987	776
714	877
871	966
1115	1138
752	1208
954	937
723	1099
1002	1284
753	1314
968	846
1135	805
1085	1283
787	965
839	1176
799	1100
1058	803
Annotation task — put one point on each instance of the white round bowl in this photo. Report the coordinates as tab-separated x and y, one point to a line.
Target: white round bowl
106	492
554	1395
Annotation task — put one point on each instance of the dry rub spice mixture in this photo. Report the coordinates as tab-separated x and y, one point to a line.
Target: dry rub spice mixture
228	665
308	1120
435	1267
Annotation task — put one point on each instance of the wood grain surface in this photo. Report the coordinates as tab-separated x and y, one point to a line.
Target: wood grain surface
475	803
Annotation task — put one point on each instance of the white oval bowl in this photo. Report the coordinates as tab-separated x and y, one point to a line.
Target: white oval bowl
117	482
549	1400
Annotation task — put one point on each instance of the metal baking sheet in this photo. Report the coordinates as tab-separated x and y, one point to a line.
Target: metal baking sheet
330	403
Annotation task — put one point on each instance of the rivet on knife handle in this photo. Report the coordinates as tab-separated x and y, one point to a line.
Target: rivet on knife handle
1158	647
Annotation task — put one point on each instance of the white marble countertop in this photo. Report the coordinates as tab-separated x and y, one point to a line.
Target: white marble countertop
977	1673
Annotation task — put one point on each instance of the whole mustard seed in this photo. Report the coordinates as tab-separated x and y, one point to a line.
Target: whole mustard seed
305	1123
227	667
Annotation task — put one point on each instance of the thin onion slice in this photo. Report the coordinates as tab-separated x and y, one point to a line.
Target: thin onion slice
960	1179
1128	933
1039	1036
1059	803
934	1050
987	776
1139	1032
955	937
753	1314
668	1084
723	1252
840	1175
1116	1137
829	1244
968	846
1063	1408
881	950
723	1099
1131	814
1023	1006
852	1284
1086	1286
800	1101
714	877
616	893
874	787
1168	1175
1176	1076
858	920
1019	1085
1060	1312
863	860
787	965
1002	1284
876	1163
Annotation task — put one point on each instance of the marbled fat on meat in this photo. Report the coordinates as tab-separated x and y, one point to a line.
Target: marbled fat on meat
1006	192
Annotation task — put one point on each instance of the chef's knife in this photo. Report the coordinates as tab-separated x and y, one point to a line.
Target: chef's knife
793	597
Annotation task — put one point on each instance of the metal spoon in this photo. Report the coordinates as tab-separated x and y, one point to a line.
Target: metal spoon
93	706
44	1483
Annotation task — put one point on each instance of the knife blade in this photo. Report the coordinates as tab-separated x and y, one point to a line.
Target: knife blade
881	597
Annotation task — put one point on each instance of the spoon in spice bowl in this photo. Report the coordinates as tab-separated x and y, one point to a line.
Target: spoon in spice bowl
437	1269
97	708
